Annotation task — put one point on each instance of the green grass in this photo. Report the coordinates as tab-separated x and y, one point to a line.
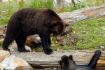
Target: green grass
72	7
41	4
6	9
90	33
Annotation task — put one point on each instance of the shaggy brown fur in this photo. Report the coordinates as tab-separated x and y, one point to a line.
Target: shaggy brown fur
28	21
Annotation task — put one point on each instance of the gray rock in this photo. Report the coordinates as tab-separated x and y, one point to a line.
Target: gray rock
3	55
14	63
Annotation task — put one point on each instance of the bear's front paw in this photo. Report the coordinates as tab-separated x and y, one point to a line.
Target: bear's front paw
48	51
23	50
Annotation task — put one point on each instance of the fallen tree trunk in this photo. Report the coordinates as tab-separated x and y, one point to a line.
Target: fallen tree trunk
82	14
39	59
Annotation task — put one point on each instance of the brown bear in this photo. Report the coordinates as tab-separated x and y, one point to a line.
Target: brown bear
29	21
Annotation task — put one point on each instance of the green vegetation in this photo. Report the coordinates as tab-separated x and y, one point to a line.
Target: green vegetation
41	4
82	4
91	33
8	8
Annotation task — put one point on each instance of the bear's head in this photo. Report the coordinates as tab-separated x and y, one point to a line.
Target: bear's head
57	27
67	63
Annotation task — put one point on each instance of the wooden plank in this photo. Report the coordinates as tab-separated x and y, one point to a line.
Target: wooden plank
41	57
100	68
82	57
101	63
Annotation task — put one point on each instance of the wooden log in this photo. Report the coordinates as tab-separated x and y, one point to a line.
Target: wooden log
39	59
100	68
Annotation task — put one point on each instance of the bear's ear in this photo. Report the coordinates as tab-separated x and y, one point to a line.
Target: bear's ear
70	57
65	59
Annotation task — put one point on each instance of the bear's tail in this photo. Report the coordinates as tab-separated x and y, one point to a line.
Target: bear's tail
94	59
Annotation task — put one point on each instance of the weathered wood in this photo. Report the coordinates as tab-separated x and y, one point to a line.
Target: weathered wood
81	57
101	63
100	68
82	14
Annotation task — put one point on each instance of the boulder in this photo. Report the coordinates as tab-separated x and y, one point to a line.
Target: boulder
15	63
3	55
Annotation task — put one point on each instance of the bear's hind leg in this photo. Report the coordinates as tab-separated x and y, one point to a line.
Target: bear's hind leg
21	43
94	59
8	39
